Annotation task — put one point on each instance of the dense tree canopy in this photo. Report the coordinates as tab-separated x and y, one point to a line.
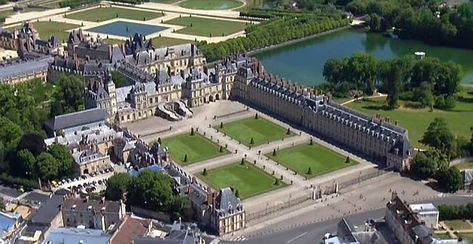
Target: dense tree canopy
117	185
439	136
451	179
69	97
427	164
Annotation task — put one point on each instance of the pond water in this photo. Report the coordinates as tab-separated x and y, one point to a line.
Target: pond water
303	62
126	29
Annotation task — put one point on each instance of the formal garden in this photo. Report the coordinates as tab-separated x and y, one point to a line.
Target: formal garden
189	148
254	131
206	26
246	179
211	4
310	160
102	14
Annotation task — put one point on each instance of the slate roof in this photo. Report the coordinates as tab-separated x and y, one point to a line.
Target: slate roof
77	119
227	202
48	211
83	205
8	71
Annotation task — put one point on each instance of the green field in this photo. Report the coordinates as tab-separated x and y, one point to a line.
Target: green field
197	148
210	4
321	160
102	14
167	41
417	120
47	29
458	224
113	41
261	130
247	179
468	237
443	236
206	27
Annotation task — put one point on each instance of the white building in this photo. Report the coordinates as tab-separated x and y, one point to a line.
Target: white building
426	212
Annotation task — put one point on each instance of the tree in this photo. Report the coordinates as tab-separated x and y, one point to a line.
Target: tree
347	160
288	132
252	141
393	78
221	125
69	97
204	172
333	71
221	149
33	143
185	157
117	186
309	171
451	180
311	141
64	157
439	136
237	193
274	152
242	161
192	131
26	165
425	96
119	79
423	166
48	166
256	116
276	182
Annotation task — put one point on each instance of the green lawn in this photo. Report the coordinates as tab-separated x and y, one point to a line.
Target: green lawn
417	120
113	41
210	4
206	27
5	14
468	237
443	236
321	160
261	130
462	166
167	41
247	179
197	148
47	29
102	14
458	224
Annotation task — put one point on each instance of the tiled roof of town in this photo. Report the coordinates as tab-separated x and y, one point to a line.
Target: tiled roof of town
76	235
79	204
131	228
77	119
150	56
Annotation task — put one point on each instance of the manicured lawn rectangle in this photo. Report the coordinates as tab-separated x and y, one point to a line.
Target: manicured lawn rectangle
167	41
462	166
210	4
101	14
197	148
416	121
206	27
468	237
261	130
458	224
247	179
443	236
321	160
47	29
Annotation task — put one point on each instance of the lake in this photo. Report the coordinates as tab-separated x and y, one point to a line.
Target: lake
303	62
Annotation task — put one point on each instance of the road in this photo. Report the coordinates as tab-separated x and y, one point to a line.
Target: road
313	233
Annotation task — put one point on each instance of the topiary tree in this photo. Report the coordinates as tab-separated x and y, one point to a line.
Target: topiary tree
159	140
309	171
274	152
311	142
288	131
347	160
276	182
192	131
282	177
221	125
204	172
242	161
256	116
221	149
185	158
252	141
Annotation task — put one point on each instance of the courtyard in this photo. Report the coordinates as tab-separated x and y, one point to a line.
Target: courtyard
186	149
260	130
207	27
318	159
246	178
102	14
